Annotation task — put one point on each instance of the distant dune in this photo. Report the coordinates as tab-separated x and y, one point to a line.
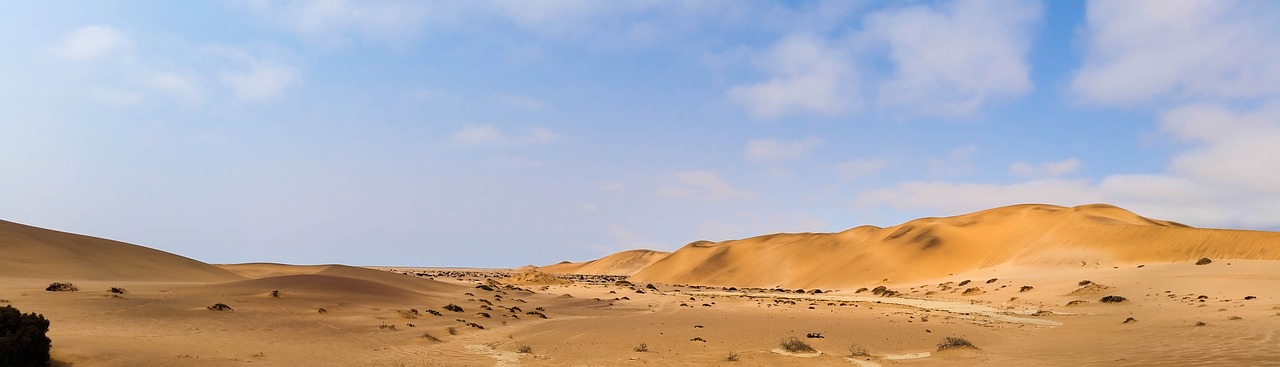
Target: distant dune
926	248
622	263
31	252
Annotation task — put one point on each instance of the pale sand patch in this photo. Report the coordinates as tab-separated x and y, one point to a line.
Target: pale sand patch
792	354
899	357
502	358
962	308
862	363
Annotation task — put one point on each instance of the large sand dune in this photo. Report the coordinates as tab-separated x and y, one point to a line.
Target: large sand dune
935	247
622	263
31	252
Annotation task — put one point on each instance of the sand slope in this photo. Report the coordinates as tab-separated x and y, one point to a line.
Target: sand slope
31	252
622	263
935	247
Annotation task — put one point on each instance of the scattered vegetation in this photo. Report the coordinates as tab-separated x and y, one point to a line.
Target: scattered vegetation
643	347
434	312
453	307
992	280
22	338
452	330
484	287
117	290
275	293
1200	323
731	357
1025	288
1084	283
321	310
484	314
1130	320
814	336
858	351
475	325
430	337
1113	299
1077	302
1246	298
1203	261
219	307
952	342
386	326
61	287
524	349
963	283
536	313
860	290
698	339
795	345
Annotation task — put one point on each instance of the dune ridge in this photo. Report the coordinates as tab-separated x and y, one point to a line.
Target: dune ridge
621	263
32	252
925	248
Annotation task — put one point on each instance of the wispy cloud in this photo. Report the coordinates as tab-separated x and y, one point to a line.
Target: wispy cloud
806	75
703	185
92	41
1046	169
773	150
489	135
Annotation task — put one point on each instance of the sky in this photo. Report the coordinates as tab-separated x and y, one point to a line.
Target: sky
503	133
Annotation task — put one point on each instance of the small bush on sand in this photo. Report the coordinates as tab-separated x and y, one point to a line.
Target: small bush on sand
814	336
643	347
61	287
484	287
219	307
955	343
794	345
275	293
858	351
453	307
731	357
963	283
1113	299
434	312
536	313
430	337
117	290
1025	288
1203	261
452	330
22	338
524	349
1084	283
321	310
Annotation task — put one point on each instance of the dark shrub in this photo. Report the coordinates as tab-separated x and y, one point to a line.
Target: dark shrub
219	307
1084	283
22	338
643	347
1026	288
434	312
1203	261
484	287
794	345
955	343
275	293
732	357
117	290
992	280
61	287
453	307
963	283
814	336
524	349
1113	299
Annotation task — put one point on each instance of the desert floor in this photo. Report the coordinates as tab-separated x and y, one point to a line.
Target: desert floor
369	319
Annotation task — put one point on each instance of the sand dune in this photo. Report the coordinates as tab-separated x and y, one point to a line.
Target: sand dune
31	252
622	263
935	247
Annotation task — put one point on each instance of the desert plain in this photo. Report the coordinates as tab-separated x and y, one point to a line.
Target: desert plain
1025	285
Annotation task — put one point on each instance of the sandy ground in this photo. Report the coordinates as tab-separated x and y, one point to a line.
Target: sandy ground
167	324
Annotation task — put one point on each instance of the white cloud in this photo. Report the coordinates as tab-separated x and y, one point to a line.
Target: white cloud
1046	169
335	22
859	168
953	58
1226	179
765	150
492	136
92	41
264	81
1144	51
177	84
806	75
704	185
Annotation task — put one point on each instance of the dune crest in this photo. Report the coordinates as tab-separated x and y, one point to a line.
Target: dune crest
925	248
622	263
32	252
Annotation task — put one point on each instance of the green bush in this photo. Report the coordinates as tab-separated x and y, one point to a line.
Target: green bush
22	338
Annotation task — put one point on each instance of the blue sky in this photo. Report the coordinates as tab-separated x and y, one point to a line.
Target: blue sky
502	133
